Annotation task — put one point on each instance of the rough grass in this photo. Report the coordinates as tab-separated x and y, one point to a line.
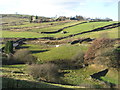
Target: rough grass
14	19
10	83
112	76
25	81
16	83
78	77
82	76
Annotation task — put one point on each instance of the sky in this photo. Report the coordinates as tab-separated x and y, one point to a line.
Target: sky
52	8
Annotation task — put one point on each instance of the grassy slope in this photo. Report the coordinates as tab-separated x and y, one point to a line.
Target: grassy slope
78	77
16	20
83	75
110	33
11	34
25	81
32	33
59	26
83	27
56	53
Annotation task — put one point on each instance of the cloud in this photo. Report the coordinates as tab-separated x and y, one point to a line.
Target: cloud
41	7
49	7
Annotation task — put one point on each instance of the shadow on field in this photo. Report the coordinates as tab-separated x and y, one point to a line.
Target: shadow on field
67	64
14	83
39	51
22	47
100	74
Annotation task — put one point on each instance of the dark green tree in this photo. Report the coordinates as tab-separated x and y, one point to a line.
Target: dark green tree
36	17
31	19
9	47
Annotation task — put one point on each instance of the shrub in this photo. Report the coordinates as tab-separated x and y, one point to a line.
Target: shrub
7	59
67	64
78	58
109	57
63	64
47	72
97	44
24	56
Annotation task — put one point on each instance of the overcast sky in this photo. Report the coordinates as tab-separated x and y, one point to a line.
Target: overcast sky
51	8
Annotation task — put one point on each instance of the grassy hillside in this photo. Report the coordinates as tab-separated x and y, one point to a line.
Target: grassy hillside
110	33
50	52
12	34
71	30
18	26
84	27
23	80
80	77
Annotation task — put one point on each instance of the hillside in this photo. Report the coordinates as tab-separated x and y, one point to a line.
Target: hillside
62	43
21	28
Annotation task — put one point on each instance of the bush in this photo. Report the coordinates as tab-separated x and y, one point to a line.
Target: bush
97	44
63	64
67	64
7	59
78	58
109	57
24	56
103	51
47	72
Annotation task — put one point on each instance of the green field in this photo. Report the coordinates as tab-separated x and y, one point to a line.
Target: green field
18	26
71	30
11	34
24	29
55	53
110	33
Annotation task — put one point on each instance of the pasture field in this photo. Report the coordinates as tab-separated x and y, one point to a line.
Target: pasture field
84	27
56	26
20	27
55	53
46	51
71	30
11	34
110	33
